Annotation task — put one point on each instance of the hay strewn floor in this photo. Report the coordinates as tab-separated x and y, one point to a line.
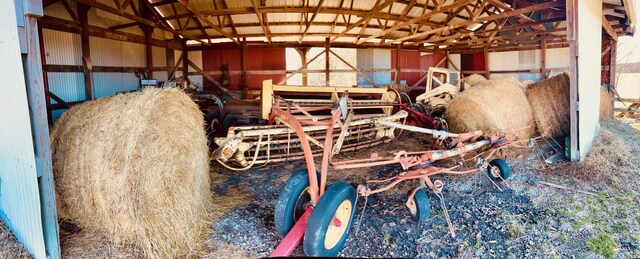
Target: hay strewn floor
10	247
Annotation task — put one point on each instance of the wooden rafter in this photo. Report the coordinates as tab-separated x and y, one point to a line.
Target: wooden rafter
423	17
205	19
483	19
375	10
122	13
265	29
313	17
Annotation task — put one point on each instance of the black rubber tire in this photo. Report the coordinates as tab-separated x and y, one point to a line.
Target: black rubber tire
503	167
292	201
423	209
323	213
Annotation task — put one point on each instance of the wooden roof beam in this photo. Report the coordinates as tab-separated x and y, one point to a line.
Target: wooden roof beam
607	27
496	30
507	14
206	20
428	15
369	15
122	13
313	17
261	20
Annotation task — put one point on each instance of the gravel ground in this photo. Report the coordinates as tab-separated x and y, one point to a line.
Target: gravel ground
524	218
10	247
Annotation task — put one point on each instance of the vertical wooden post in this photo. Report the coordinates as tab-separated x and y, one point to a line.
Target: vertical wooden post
612	71
86	51
36	85
185	61
572	37
543	60
446	60
171	59
486	62
303	58
397	77
327	46
245	85
148	34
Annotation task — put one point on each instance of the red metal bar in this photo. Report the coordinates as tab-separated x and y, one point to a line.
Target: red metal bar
306	149
295	235
328	142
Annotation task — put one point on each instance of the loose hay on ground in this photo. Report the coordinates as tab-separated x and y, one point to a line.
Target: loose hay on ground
497	105
10	247
549	100
134	167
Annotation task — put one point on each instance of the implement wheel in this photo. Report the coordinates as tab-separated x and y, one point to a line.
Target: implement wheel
422	209
330	221
499	170
294	198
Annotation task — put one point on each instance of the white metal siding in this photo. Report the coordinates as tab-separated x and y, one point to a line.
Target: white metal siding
374	58
589	47
196	58
62	48
19	195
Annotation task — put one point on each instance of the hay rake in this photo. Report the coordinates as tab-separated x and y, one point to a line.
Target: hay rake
248	146
308	209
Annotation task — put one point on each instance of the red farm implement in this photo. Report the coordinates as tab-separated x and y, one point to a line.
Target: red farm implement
320	215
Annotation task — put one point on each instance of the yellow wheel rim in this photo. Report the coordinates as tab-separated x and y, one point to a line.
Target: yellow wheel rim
335	233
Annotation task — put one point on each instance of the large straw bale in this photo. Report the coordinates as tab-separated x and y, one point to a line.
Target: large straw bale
606	107
497	105
549	100
136	168
474	79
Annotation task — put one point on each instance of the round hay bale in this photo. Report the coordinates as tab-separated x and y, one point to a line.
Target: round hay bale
497	105
526	83
549	100
136	168
474	79
606	106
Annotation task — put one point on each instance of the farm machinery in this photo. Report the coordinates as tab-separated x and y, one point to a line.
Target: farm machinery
320	214
246	146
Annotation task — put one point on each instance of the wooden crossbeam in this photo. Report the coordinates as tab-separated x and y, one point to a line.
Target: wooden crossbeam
502	15
122	13
209	78
423	17
369	15
265	29
607	27
313	17
206	20
354	69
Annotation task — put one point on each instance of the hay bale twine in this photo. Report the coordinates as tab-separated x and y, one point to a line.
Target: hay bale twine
606	106
136	168
497	105
549	100
474	79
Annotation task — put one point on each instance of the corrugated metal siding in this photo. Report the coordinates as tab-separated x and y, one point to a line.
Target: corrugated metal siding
108	84
196	58
19	195
374	58
68	86
62	48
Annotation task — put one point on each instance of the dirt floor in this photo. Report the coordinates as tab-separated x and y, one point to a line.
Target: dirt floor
597	215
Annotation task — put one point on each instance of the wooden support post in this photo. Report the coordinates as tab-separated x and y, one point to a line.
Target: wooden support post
83	10
245	85
327	46
303	58
543	60
612	72
148	32
572	37
486	62
171	59
397	77
185	61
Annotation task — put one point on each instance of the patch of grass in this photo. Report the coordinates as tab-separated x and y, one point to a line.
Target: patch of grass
385	238
515	230
564	238
602	244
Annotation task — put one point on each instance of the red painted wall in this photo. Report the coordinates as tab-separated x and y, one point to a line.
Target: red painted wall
265	59
413	60
473	61
259	59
